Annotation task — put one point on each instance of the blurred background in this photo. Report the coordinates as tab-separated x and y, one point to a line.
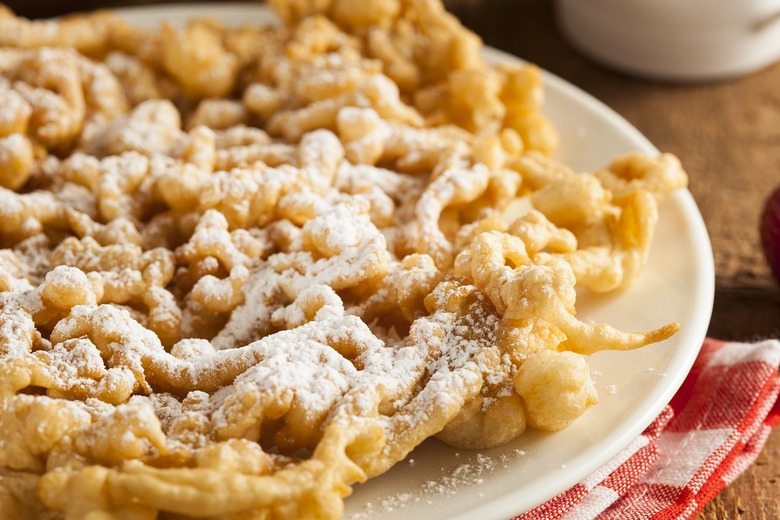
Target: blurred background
48	8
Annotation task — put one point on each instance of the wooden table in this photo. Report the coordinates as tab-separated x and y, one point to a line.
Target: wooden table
728	137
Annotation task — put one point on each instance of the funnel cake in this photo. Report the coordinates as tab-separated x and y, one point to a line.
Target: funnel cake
243	269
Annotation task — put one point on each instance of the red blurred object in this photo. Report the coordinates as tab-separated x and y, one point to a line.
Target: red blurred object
770	231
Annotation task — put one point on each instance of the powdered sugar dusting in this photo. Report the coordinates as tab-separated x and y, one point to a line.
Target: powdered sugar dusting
467	477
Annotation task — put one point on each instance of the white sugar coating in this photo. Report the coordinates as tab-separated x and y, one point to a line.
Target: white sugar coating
258	94
15	327
15	107
67	277
252	320
316	376
32	255
102	89
320	149
76	197
152	127
241	135
216	110
9	145
58	63
338	230
463	478
80	361
121	174
399	187
362	128
210	263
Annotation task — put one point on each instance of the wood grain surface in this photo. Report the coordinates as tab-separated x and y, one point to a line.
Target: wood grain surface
727	135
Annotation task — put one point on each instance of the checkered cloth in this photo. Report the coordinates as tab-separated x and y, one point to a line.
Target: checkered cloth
713	429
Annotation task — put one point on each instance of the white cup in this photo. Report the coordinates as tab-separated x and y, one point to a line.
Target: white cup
688	40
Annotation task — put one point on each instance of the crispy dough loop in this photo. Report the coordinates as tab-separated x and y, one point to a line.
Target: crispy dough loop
142	280
623	246
25	215
611	214
16	160
196	58
630	173
341	257
542	289
85	33
453	186
56	96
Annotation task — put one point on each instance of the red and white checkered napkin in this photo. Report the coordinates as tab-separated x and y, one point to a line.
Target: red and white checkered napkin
713	429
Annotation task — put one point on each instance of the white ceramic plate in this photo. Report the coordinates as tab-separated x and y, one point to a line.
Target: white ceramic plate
438	482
